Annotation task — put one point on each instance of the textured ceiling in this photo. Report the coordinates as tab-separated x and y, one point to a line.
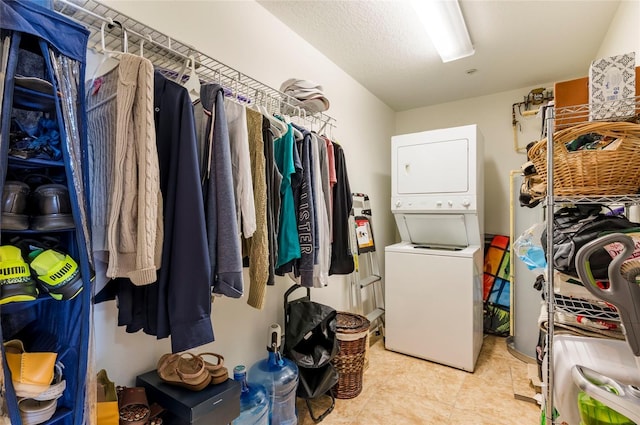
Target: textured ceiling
518	44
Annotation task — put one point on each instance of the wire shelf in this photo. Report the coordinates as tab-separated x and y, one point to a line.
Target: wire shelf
122	33
586	308
616	110
618	199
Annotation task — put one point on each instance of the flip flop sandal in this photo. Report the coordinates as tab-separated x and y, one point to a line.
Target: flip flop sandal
133	406
35	412
187	372
218	372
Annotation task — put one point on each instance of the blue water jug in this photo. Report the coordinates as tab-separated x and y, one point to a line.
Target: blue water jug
279	376
254	403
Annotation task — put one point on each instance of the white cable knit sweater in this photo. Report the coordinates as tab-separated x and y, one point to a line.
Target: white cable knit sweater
135	228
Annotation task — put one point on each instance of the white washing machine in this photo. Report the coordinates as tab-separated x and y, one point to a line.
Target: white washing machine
433	278
433	303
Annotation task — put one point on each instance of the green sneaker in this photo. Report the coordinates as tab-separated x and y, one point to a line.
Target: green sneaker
58	273
16	283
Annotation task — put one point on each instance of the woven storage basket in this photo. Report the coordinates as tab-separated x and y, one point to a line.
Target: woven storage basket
351	332
592	172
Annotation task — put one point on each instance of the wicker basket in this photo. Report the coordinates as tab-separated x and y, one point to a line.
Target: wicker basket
351	332
592	172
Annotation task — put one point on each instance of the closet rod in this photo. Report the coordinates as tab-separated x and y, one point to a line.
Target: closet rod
169	54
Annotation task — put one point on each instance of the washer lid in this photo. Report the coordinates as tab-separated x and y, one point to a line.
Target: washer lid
409	248
434	230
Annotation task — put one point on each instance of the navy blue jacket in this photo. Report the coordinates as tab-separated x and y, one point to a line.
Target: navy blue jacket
184	299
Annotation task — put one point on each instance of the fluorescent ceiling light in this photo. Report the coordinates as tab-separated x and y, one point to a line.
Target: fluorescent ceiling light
445	25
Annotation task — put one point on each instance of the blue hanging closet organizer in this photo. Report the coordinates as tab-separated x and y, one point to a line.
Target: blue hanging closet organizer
38	42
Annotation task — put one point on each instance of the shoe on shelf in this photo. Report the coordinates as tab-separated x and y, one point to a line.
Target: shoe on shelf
34	412
58	273
133	406
218	372
107	400
41	407
14	203
52	208
31	373
57	387
186	370
16	283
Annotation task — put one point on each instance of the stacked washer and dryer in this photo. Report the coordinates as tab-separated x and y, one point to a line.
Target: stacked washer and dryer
433	277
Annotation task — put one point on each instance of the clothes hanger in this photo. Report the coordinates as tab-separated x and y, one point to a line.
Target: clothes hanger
306	119
296	133
232	90
193	83
279	128
330	130
183	69
255	104
322	128
278	114
142	40
244	99
110	58
313	123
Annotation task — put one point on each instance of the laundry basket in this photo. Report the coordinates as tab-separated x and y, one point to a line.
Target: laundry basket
592	172
351	331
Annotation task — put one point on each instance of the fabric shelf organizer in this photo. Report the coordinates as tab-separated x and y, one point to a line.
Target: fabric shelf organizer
41	73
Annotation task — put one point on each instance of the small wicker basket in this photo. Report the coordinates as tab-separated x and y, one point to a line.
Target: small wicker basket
592	172
351	331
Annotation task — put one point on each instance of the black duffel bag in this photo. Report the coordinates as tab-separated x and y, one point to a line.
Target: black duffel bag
573	227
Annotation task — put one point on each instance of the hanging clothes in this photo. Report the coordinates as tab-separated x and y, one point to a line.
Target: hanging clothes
273	180
135	247
324	175
101	140
323	233
122	140
184	300
258	244
202	120
331	165
288	242
221	220
179	303
341	256
241	166
306	213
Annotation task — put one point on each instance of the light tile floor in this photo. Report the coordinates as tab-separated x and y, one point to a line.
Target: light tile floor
399	389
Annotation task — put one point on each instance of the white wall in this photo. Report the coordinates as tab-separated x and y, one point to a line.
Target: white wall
245	36
624	33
